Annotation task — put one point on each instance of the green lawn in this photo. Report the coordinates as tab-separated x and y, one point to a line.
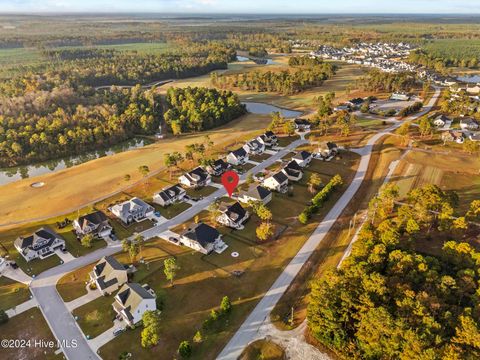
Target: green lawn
287	140
96	316
173	210
37	266
260	158
204	191
12	293
72	285
29	325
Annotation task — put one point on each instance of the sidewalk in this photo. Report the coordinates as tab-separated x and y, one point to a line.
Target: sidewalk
82	300
27	305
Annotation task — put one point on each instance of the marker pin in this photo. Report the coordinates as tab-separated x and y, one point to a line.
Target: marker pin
230	181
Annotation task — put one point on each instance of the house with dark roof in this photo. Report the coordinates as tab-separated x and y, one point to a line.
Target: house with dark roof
233	215
269	139
441	120
277	182
254	147
95	223
355	103
169	195
302	124
303	158
132	210
468	124
237	157
327	149
218	167
108	275
203	238
255	193
39	245
293	171
196	178
131	302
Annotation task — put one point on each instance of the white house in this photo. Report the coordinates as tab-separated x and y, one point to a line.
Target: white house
255	193
237	157
303	158
95	223
302	125
269	139
277	182
39	245
441	120
131	302
457	136
132	210
327	149
203	238
400	96
218	167
468	124
233	215
293	171
169	195
254	147
108	275
196	178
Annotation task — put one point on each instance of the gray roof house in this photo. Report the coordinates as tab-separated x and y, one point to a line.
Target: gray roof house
95	223
132	210
39	245
169	195
237	157
203	238
108	274
233	215
293	171
132	300
255	193
218	167
277	182
303	158
254	147
195	178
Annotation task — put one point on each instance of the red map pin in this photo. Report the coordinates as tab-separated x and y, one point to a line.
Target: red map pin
230	181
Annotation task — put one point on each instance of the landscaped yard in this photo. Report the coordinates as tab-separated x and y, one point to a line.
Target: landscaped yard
204	191
37	266
29	325
173	210
73	284
12	293
96	316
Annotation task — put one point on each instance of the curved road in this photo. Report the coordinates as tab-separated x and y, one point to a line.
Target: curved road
251	329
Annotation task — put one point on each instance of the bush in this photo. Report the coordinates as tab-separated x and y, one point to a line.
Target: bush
184	349
319	199
3	317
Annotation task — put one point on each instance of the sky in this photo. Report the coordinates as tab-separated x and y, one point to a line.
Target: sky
246	6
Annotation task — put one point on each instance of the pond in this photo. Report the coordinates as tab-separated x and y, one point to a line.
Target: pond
267	109
256	61
469	79
8	175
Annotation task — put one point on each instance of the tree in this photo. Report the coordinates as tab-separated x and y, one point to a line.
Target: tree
263	212
150	335
184	349
225	305
170	269
289	128
403	131
87	240
471	146
127	177
264	231
3	317
314	183
249	180
132	248
143	170
197	338
139	239
425	126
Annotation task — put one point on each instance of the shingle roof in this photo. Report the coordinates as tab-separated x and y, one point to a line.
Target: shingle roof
280	177
302	155
239	152
257	192
234	212
202	233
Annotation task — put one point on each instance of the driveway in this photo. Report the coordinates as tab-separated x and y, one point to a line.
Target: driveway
252	326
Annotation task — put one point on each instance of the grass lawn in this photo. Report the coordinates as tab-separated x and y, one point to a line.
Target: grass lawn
72	285
263	349
29	325
173	210
96	316
287	140
12	293
204	191
260	157
37	266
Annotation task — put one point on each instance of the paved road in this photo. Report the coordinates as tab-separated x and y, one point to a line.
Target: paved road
251	328
55	311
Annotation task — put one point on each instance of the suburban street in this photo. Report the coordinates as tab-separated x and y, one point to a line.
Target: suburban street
251	328
55	311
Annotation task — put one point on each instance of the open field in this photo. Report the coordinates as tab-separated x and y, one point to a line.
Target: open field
263	349
101	178
12	293
29	325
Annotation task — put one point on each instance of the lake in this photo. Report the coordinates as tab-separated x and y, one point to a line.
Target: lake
469	78
256	61
267	109
8	175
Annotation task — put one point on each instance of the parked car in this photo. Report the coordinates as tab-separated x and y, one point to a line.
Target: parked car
117	332
173	239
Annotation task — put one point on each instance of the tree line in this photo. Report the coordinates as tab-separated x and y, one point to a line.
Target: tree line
377	80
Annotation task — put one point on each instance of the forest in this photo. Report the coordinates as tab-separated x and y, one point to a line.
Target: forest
377	80
393	298
198	109
301	75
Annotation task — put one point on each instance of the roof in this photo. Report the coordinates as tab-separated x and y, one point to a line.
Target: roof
468	121
356	101
197	174
234	212
239	152
443	117
170	192
130	297
202	233
280	177
302	155
39	236
270	134
293	165
257	192
95	218
301	122
220	163
105	271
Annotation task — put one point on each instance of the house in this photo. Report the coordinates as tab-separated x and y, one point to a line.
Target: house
203	238
355	103
108	275
269	139
342	107
95	223
400	96
196	178
39	245
474	136
254	147
233	215
218	167
169	195
255	193
468	124
132	301
132	210
302	125
327	149
303	158
456	136
473	90
237	157
277	182
441	120
293	171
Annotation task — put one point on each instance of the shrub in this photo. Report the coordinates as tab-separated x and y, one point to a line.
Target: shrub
184	349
